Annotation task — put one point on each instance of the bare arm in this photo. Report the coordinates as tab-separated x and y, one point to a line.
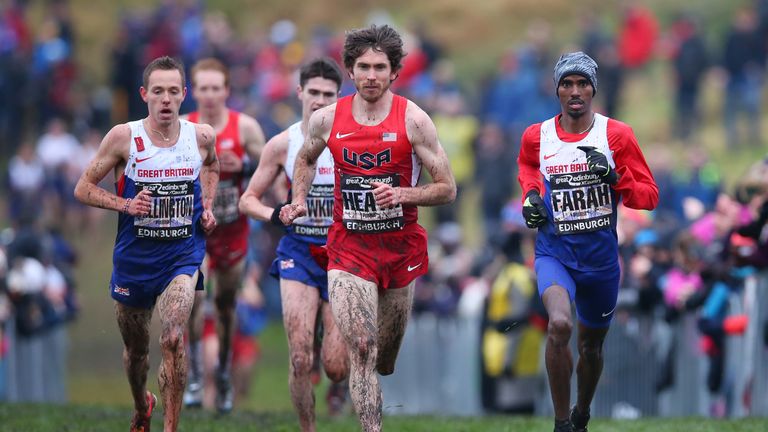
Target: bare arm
318	130
252	137
423	137
270	166
113	152
306	161
209	173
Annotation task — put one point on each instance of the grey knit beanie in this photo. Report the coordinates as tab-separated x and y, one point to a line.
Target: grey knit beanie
576	63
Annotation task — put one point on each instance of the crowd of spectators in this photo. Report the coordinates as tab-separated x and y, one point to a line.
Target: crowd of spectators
684	258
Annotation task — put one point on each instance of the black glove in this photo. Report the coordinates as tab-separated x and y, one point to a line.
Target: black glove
598	164
275	218
534	210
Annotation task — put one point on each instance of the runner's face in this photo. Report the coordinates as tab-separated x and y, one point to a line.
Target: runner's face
372	75
209	91
164	94
317	92
575	93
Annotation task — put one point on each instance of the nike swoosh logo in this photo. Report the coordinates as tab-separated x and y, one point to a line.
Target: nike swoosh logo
605	314
340	135
414	267
140	160
550	156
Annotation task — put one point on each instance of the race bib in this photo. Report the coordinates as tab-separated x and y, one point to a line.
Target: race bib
225	202
360	213
581	203
171	213
319	215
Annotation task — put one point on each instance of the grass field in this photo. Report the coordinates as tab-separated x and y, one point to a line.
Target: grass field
47	418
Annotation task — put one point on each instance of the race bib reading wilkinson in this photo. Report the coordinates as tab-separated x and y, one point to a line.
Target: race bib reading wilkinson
581	203
170	217
319	212
360	213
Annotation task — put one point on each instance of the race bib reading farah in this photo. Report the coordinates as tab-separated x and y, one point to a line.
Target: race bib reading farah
170	216
319	212
225	203
360	213
581	203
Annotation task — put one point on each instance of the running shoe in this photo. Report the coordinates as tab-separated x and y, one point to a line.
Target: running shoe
336	397
563	426
224	393
193	395
141	423
579	420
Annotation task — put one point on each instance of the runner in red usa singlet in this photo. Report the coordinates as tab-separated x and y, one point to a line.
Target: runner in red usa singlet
228	244
379	142
383	154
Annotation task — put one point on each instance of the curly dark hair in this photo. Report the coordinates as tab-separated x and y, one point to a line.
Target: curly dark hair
381	38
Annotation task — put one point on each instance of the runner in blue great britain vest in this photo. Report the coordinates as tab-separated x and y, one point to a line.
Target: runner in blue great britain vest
167	171
573	170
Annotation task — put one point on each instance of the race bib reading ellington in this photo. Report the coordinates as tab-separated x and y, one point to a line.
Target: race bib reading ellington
171	213
360	213
581	203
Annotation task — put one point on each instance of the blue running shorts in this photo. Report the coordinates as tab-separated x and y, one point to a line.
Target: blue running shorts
295	262
594	292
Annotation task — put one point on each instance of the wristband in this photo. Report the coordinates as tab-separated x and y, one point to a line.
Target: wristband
275	218
127	204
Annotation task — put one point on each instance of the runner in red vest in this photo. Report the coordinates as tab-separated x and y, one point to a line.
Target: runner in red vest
239	140
376	248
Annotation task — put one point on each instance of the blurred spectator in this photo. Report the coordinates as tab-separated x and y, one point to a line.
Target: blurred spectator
26	182
53	66
744	63
690	60
637	36
602	47
15	48
457	130
450	263
58	149
514	325
683	279
79	216
41	293
494	175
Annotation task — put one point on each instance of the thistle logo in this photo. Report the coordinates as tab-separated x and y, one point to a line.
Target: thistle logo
368	160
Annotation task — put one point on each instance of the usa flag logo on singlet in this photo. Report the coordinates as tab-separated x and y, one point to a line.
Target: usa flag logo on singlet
389	136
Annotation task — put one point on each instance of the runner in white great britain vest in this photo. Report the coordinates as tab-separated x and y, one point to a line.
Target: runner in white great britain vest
169	237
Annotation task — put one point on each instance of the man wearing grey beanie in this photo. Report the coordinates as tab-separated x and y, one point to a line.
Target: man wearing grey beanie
573	170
